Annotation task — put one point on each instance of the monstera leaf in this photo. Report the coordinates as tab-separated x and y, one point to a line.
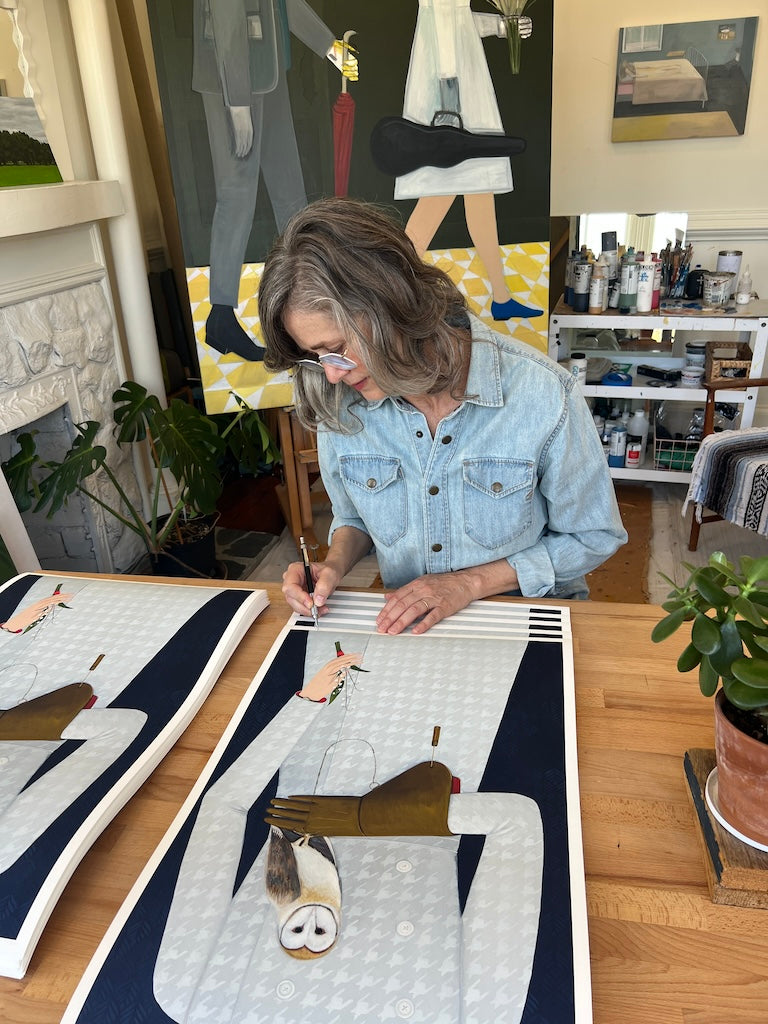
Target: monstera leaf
65	477
18	473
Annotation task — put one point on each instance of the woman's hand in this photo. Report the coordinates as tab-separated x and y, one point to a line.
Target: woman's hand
325	579
431	598
425	601
328	678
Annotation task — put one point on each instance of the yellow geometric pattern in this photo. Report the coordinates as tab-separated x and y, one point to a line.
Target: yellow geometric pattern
526	275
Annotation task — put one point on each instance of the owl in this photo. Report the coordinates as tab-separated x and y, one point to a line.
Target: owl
302	884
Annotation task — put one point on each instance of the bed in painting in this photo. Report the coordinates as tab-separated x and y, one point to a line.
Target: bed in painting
680	79
98	678
484	922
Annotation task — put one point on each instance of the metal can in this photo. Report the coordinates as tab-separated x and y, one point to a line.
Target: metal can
618	449
634	451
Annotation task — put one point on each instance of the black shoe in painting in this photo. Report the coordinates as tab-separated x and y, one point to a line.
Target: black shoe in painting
224	333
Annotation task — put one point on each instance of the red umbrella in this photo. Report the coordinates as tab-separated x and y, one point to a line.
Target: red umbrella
343	128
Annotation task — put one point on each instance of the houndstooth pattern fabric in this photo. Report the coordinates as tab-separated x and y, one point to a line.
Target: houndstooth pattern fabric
220	960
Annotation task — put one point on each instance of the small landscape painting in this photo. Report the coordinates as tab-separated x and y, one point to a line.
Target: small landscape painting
688	80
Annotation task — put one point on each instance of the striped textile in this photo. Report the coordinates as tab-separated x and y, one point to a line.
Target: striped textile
730	477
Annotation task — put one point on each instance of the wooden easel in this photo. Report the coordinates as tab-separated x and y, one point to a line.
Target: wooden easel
296	498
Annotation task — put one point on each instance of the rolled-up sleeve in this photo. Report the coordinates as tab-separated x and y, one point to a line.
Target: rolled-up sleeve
584	526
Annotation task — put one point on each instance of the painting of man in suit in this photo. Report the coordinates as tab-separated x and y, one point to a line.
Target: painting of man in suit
242	51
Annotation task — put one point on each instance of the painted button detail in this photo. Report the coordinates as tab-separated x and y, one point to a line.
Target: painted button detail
405	928
285	989
403	866
404	1008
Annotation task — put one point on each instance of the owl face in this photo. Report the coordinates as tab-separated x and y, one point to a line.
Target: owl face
310	931
302	884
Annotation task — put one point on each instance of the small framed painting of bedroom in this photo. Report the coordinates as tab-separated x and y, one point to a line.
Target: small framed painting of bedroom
688	80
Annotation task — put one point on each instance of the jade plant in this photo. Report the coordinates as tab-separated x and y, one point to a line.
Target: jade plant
728	609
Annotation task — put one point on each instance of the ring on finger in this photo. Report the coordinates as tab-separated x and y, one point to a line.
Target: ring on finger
426	605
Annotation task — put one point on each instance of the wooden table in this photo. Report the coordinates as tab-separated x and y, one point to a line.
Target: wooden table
662	953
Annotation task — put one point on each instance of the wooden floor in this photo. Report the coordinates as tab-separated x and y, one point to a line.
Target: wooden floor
669	546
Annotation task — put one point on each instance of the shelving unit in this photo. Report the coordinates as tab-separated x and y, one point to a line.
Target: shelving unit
666	348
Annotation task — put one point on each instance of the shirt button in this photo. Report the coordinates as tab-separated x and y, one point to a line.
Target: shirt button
405	928
371	482
434	490
403	866
437	547
285	989
404	1008
447	439
3	760
419	433
497	487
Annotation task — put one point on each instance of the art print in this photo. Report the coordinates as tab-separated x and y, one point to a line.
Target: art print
468	923
98	678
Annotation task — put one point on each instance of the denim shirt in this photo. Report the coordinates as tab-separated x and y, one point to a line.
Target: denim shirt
517	471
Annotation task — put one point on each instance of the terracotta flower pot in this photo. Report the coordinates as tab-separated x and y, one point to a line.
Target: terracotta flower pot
742	777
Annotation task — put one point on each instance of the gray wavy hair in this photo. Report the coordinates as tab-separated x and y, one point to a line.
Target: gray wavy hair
407	319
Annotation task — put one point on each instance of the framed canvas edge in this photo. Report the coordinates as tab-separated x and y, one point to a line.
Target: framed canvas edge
16	953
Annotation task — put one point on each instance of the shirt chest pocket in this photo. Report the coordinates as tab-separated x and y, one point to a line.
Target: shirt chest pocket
376	486
497	499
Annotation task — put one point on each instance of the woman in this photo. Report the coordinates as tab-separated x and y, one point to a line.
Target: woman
470	462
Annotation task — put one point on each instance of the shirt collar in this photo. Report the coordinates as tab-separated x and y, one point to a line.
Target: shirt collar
484	380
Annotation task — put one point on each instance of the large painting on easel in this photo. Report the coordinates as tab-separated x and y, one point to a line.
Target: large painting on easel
270	106
480	916
98	678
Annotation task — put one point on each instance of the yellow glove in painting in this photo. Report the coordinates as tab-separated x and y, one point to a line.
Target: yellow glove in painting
414	803
45	717
342	56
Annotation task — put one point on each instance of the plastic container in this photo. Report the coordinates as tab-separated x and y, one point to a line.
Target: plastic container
717	287
645	272
696	353
744	287
582	275
691	376
628	285
729	261
577	367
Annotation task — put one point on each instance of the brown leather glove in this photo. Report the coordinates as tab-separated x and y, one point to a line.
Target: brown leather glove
414	803
45	717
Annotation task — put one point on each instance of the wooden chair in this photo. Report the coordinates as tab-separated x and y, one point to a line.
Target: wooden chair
296	497
709	423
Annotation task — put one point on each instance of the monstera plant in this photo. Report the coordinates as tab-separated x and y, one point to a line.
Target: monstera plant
184	448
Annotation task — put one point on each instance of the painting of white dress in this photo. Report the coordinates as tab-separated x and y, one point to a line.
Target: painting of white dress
98	678
481	918
683	81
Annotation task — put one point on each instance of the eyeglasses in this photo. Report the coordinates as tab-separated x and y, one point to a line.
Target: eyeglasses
336	360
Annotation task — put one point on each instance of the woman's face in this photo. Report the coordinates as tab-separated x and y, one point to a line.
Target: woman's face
319	333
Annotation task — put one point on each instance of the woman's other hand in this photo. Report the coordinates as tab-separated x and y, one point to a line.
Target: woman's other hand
425	601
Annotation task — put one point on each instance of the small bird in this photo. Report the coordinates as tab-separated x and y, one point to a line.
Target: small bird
302	884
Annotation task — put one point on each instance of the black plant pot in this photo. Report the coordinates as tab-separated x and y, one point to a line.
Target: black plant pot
194	556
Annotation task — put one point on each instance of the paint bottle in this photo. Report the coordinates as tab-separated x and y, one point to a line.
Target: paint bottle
568	296
611	253
577	367
632	457
582	275
645	273
656	280
628	287
618	448
598	287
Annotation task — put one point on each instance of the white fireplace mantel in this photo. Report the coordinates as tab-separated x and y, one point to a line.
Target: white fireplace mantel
35	208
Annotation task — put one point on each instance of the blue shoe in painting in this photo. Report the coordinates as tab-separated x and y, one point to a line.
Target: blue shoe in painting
506	310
